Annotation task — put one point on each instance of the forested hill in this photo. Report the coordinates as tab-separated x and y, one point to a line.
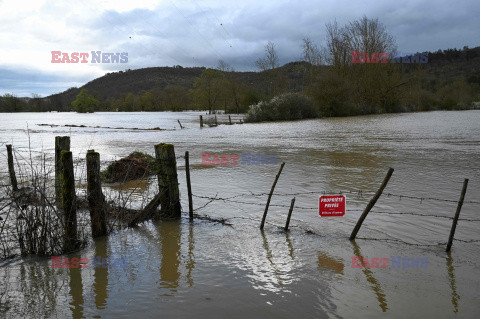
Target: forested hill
114	85
443	65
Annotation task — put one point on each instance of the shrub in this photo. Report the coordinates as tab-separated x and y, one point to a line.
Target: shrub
285	107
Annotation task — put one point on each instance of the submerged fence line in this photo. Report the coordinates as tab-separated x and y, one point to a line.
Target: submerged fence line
229	199
49	217
378	194
167	198
360	193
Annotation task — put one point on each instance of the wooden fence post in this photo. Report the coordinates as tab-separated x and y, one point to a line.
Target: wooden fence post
11	168
201	121
230	120
216	122
62	143
371	204
457	214
69	202
289	213
270	196
168	181
96	200
189	186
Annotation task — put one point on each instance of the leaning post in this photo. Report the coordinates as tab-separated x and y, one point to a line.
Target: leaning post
96	200
62	143
69	202
201	121
371	204
168	181
189	186
457	214
290	213
270	196
11	168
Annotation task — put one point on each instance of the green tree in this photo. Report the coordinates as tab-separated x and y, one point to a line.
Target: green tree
36	103
149	101
175	98
129	103
85	102
207	89
12	103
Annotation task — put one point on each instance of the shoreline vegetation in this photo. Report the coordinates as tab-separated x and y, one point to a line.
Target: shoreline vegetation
325	83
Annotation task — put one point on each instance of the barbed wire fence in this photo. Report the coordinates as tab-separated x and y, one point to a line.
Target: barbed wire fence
237	199
31	223
41	171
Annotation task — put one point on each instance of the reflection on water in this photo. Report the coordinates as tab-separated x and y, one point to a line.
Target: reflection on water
290	246
191	257
36	292
374	284
169	233
329	263
137	186
451	277
76	291
269	256
264	269
100	274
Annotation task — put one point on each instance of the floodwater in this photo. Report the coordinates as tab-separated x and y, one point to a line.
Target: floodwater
209	270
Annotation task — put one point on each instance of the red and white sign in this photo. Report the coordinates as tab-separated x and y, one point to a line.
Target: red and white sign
332	205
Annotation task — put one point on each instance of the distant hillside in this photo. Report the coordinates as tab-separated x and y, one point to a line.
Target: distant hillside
453	64
443	66
112	85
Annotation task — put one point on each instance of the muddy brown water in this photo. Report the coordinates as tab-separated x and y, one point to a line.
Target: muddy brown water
209	270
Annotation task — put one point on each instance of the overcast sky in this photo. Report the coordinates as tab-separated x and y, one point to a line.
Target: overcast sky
200	32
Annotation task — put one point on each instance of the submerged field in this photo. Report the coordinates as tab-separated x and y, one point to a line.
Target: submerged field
208	269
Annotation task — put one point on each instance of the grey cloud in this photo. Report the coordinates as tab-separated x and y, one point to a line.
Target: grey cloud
236	31
24	82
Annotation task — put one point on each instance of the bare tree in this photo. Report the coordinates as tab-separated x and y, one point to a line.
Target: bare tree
364	35
363	87
337	45
311	53
270	61
368	35
224	66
